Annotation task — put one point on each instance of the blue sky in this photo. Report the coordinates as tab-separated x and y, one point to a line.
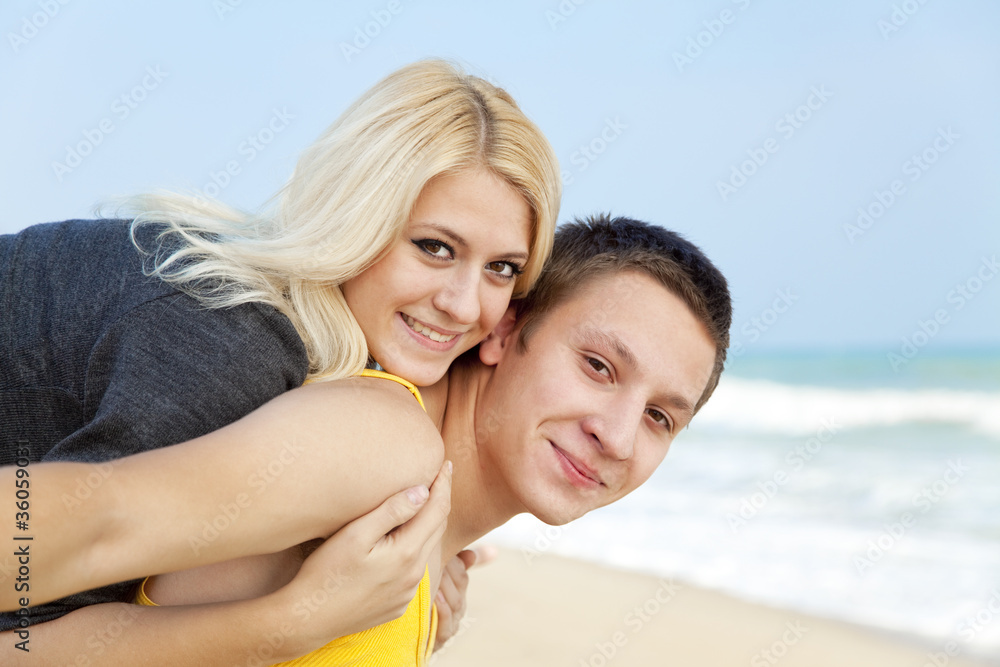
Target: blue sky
758	129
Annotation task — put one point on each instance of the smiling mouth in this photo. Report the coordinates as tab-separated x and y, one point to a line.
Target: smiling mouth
426	331
581	475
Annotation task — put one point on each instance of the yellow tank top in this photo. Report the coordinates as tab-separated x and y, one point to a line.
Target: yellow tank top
407	641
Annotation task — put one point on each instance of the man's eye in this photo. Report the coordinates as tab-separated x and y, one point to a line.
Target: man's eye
659	417
597	365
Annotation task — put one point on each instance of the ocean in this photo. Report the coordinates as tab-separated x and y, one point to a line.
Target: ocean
836	484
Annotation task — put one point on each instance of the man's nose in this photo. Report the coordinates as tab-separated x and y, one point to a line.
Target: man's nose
614	428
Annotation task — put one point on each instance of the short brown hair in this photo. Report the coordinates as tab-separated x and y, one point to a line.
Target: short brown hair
587	249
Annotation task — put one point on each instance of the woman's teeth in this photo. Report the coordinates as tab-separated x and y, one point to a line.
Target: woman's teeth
427	332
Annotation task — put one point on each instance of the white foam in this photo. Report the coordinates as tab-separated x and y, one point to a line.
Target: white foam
760	406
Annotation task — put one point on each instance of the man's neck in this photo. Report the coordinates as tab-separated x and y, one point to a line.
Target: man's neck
478	503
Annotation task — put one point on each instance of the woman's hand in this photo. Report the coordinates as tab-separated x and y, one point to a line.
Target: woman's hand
367	573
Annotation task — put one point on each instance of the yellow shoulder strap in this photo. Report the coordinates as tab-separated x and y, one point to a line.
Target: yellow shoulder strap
369	373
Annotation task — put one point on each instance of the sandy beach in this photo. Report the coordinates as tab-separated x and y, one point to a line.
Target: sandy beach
547	611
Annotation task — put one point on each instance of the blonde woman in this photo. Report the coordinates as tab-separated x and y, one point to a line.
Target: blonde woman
400	238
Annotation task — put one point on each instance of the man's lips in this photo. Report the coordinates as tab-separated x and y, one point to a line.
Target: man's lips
581	469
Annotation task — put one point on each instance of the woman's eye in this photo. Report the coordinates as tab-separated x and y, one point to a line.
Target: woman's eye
504	269
434	248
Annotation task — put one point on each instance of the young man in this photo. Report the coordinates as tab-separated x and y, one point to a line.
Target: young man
572	403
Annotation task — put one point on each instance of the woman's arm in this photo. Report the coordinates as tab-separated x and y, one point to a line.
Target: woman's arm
284	474
363	576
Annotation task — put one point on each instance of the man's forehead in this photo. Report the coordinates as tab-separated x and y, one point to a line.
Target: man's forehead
624	297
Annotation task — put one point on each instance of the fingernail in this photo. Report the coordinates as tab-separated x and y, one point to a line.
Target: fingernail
417	495
447	467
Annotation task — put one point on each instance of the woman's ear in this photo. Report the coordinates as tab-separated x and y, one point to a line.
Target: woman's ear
491	350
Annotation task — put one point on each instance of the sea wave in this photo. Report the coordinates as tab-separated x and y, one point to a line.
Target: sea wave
762	406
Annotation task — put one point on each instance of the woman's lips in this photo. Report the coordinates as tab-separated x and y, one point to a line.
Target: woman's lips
427	331
428	336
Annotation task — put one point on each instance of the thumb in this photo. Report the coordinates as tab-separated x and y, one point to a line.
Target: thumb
480	555
392	513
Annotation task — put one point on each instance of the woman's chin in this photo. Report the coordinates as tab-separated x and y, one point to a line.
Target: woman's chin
422	374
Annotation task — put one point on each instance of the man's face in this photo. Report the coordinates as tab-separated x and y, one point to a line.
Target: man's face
588	411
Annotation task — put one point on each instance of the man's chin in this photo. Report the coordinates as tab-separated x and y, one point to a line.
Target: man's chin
559	517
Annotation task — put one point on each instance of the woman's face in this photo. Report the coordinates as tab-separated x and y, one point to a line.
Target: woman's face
446	282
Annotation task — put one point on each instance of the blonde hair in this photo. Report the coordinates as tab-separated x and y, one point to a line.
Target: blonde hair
349	199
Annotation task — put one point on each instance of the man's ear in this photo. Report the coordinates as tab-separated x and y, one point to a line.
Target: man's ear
492	349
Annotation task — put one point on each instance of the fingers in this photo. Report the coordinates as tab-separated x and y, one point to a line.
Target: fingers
445	622
428	526
481	555
468	557
394	512
450	599
485	554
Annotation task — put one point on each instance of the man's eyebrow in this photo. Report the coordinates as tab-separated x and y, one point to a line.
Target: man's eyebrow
611	341
682	405
460	241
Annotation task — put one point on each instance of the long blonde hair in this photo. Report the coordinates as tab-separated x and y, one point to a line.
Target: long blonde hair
348	200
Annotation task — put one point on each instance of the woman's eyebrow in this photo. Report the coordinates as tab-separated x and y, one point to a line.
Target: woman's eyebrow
444	230
460	241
